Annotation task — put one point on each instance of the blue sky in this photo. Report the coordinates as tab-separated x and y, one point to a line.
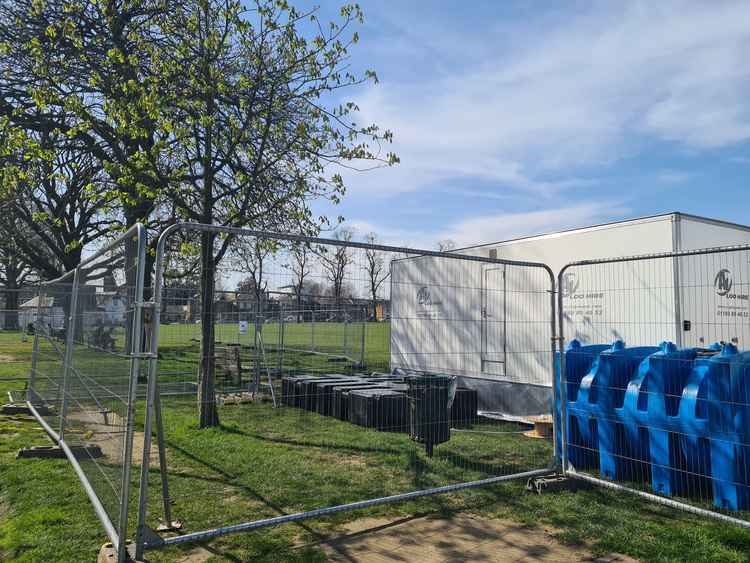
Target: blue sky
515	118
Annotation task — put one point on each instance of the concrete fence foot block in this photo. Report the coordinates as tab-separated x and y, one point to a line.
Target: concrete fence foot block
108	554
88	451
14	408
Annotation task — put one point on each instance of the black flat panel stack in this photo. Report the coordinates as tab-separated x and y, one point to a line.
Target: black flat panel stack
340	401
307	388
324	393
291	389
380	409
414	404
464	409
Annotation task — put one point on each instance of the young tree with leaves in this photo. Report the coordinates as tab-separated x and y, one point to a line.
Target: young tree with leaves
250	256
254	138
377	268
335	261
301	262
217	112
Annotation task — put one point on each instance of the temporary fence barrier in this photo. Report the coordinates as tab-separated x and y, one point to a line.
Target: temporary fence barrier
87	347
654	393
323	415
18	309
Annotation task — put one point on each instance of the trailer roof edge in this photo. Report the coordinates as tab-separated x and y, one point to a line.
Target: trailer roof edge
624	222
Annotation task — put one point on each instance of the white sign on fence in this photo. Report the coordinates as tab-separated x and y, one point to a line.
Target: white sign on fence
243	327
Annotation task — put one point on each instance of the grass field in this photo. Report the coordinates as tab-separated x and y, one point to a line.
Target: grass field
263	462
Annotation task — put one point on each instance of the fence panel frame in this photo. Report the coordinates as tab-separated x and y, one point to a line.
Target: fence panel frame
145	537
116	531
561	384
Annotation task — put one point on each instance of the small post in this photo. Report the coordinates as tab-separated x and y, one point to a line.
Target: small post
563	386
280	350
312	330
362	349
346	336
136	351
32	395
67	358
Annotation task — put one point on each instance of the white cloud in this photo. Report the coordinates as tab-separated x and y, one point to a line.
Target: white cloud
673	177
569	90
504	226
496	227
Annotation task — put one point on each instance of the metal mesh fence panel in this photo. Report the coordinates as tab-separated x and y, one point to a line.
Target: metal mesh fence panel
654	377
49	315
372	392
17	314
85	364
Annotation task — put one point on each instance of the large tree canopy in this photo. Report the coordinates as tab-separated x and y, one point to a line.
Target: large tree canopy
208	110
82	68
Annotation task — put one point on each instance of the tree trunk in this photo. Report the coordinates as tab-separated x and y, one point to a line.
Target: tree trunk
300	315
208	415
11	308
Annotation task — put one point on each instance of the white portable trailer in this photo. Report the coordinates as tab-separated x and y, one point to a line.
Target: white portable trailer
499	358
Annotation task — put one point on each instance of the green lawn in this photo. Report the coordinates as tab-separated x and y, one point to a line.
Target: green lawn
263	461
324	337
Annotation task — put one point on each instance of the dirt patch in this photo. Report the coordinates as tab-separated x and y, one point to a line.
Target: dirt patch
5	358
197	555
108	433
337	459
461	538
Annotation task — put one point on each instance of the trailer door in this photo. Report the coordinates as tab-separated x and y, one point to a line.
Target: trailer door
494	309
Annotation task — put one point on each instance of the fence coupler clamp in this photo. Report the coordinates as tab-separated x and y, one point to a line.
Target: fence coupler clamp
173	526
148	308
553	482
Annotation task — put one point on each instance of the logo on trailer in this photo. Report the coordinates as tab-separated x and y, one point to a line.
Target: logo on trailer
428	307
423	297
723	282
570	284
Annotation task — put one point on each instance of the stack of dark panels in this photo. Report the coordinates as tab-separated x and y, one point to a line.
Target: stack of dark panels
380	409
308	389
340	401
289	393
296	390
287	390
385	379
324	393
464	409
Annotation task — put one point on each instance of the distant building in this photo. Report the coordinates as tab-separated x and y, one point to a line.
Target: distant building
50	313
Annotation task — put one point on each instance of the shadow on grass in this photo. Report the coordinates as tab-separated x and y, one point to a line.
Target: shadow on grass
490	469
226	477
351	448
231	480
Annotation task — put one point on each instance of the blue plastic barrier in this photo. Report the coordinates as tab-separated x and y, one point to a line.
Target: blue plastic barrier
594	412
729	428
579	361
679	419
655	404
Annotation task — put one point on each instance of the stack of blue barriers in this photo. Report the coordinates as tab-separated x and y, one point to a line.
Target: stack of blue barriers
678	420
